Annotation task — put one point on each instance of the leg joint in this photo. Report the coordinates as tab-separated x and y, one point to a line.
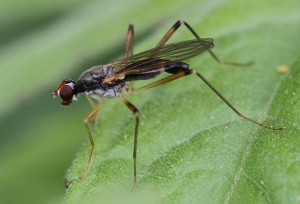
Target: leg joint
136	112
177	24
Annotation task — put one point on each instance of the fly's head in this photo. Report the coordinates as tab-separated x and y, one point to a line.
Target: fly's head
67	91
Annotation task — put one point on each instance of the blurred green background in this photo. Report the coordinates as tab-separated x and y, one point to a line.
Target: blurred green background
42	43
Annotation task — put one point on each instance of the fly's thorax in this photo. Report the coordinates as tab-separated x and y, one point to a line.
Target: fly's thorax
91	82
95	74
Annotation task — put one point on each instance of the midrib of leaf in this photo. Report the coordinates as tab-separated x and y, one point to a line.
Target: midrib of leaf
245	155
250	144
248	148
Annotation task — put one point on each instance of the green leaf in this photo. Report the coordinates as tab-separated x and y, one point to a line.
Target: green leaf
192	147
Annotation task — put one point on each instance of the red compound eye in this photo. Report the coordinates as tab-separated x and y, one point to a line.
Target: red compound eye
66	93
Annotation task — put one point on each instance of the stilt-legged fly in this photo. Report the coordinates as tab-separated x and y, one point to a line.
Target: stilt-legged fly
113	80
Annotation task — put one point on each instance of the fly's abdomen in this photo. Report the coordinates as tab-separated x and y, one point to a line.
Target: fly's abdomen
176	67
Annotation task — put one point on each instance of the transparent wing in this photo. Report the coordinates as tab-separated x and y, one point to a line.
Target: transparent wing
157	59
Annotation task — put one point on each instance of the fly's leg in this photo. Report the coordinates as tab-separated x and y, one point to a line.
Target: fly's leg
94	118
85	121
129	42
185	72
90	101
177	25
136	113
129	52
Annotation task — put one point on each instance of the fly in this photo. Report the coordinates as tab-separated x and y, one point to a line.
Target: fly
113	80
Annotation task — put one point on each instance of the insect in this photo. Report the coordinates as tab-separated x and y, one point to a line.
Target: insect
114	79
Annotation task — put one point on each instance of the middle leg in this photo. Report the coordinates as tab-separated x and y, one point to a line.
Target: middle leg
137	114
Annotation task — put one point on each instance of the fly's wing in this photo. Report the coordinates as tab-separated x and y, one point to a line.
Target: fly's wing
156	59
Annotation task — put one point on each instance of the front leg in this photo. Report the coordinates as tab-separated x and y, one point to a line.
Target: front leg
85	121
